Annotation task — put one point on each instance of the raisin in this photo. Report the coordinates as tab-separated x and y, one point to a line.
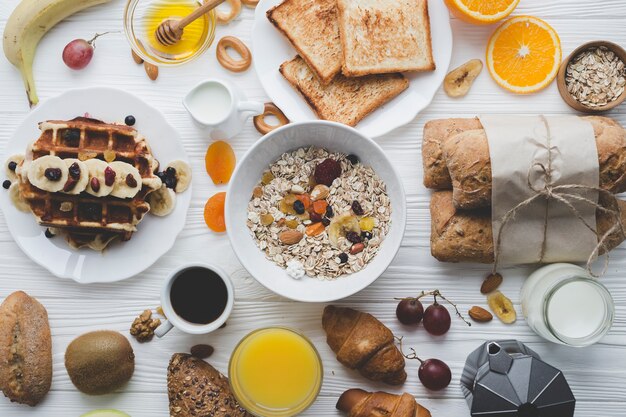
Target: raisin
298	206
315	217
353	159
357	209
343	258
74	171
109	176
95	184
325	221
131	181
353	237
327	171
329	212
53	174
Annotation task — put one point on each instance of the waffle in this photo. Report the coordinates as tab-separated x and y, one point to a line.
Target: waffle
91	221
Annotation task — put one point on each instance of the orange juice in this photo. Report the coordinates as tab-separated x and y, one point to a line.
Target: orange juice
275	372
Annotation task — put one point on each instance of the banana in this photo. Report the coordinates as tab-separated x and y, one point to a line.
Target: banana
183	175
11	164
342	224
28	23
162	201
459	81
127	180
16	198
78	176
48	173
97	185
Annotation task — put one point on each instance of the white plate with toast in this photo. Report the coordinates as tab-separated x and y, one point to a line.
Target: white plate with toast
271	49
155	235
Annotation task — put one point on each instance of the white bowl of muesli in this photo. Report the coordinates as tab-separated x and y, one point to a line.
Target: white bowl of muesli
315	211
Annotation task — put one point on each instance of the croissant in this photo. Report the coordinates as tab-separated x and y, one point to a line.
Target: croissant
362	342
359	403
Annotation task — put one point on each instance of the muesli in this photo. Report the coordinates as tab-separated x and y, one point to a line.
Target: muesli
319	213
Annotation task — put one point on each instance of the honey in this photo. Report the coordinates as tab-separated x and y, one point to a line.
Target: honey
194	34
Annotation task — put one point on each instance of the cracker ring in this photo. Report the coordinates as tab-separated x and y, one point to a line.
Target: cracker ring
270	110
228	62
250	3
223	18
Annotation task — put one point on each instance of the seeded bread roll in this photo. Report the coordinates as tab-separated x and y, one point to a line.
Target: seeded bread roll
456	156
467	236
25	349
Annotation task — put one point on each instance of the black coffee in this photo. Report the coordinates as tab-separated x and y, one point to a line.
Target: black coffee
199	295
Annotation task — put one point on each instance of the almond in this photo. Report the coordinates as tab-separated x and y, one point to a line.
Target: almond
290	237
479	314
320	192
136	58
491	283
151	70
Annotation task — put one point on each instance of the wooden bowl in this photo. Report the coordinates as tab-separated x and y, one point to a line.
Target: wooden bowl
560	78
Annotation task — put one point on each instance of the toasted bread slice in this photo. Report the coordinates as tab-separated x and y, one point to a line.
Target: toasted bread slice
312	27
383	36
345	100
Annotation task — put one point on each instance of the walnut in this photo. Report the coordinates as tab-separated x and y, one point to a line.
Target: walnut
143	326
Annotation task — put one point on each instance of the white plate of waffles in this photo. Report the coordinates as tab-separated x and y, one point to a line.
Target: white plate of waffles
154	140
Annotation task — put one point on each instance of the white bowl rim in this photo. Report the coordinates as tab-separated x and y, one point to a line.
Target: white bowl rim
229	221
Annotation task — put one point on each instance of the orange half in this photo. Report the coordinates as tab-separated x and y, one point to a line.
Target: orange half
481	12
524	54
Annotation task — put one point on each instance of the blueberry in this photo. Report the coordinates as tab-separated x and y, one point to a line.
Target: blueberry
343	258
298	206
329	212
325	221
353	159
74	171
53	174
357	209
12	165
130	120
49	234
366	235
353	237
6	184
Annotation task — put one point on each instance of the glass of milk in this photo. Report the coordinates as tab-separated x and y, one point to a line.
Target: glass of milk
564	304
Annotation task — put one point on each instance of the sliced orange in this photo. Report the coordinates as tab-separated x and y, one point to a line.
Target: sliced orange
481	12
524	54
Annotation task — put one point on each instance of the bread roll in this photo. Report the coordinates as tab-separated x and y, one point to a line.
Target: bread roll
456	156
467	236
25	349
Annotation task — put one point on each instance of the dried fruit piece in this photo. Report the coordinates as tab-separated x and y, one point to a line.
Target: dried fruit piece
286	204
267	219
479	314
257	192
109	176
320	192
491	283
267	177
290	237
214	212
357	209
367	224
86	155
314	229
305	199
220	162
502	307
356	248
292	224
298	207
459	81
315	218
341	225
320	206
109	155
327	171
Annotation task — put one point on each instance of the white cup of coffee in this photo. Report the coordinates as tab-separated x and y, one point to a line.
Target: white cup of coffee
196	299
220	107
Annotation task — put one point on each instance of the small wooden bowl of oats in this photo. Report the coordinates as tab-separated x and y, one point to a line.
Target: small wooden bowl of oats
592	79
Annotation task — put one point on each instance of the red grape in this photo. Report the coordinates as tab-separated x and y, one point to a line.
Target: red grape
435	374
410	311
437	319
77	54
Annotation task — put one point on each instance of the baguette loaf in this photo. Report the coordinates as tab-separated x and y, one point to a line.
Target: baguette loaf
344	100
384	36
456	156
467	236
25	349
312	27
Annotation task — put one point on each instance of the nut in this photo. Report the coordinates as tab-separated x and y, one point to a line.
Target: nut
136	58
143	326
502	307
131	181
356	248
491	283
151	70
480	315
290	237
296	189
320	192
95	184
202	351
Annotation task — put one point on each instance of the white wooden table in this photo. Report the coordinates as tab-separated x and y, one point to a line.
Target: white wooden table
597	374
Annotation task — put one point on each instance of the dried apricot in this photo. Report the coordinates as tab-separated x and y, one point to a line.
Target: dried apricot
314	229
214	212
320	206
220	162
306	200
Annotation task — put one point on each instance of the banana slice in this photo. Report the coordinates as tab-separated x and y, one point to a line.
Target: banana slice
78	176
459	81
342	224
11	164
162	201
16	198
48	173
97	178
183	175
127	180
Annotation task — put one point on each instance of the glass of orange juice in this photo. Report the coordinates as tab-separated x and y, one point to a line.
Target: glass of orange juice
275	372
